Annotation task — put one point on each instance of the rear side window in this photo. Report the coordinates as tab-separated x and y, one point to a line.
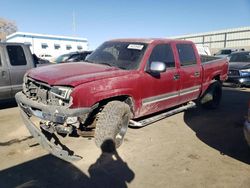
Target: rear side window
163	53
16	55
186	54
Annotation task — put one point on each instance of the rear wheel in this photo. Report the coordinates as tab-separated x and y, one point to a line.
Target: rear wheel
212	97
112	123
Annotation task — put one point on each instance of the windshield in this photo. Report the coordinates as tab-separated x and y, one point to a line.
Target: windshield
225	52
240	57
124	55
78	56
74	57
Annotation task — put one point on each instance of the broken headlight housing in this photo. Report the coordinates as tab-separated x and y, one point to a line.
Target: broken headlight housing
25	78
61	92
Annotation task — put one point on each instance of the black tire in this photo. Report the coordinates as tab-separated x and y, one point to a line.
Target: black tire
238	85
112	123
215	91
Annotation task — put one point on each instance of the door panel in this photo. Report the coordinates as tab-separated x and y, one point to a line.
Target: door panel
5	87
18	66
190	78
190	73
160	91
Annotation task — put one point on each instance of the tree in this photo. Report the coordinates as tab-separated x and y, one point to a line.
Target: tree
7	27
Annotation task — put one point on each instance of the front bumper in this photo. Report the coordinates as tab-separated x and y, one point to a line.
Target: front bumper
239	80
55	114
55	149
247	131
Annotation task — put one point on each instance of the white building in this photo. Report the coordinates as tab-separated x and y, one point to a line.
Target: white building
49	45
216	40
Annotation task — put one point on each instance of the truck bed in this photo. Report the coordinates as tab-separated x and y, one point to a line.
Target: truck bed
207	58
213	67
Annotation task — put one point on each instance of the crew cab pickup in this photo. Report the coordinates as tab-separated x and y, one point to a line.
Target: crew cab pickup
15	60
121	81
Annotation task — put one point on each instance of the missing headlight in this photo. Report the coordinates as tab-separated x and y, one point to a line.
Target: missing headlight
61	92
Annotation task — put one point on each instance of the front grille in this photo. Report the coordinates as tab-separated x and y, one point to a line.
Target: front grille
40	92
233	73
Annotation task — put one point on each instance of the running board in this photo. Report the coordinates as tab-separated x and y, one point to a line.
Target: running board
163	115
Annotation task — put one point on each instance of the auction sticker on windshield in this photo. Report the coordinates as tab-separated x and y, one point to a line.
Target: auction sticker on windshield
135	46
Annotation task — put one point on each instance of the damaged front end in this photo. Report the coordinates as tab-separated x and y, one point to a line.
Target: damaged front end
51	105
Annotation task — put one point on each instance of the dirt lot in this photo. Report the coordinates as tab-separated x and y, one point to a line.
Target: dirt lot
196	148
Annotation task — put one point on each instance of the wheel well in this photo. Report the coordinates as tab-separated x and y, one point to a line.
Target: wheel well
123	98
217	78
99	106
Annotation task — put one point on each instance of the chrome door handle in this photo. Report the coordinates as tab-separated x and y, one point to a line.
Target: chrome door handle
197	74
3	74
176	77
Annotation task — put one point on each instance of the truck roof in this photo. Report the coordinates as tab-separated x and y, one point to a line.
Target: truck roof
12	43
147	40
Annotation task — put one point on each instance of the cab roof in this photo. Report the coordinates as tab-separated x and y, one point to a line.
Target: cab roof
146	40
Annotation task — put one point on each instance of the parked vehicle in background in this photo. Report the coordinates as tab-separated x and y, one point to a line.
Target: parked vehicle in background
247	126
45	56
121	81
203	49
72	57
227	51
15	60
239	69
39	61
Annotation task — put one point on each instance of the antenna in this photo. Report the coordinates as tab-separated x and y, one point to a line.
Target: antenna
74	23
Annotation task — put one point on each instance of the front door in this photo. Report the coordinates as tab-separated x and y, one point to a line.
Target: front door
18	66
5	86
160	91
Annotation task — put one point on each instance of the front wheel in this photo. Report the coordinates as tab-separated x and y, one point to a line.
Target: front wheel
212	97
112	123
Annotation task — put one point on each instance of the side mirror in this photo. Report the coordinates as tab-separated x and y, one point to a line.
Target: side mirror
157	67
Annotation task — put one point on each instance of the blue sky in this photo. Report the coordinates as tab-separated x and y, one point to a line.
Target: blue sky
102	20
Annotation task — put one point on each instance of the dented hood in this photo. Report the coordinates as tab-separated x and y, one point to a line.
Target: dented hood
73	74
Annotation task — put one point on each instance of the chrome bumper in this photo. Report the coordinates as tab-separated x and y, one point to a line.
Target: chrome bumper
51	147
239	80
55	114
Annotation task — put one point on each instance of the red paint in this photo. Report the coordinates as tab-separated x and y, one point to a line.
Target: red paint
93	83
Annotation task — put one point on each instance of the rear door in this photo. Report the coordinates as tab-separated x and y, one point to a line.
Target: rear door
18	66
160	91
190	72
5	86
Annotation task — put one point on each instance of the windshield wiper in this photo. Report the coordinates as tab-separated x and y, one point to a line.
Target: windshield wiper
89	61
103	63
113	65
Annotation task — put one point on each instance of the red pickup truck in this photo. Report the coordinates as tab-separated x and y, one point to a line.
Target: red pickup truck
121	81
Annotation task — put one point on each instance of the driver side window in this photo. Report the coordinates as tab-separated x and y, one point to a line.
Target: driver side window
163	53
